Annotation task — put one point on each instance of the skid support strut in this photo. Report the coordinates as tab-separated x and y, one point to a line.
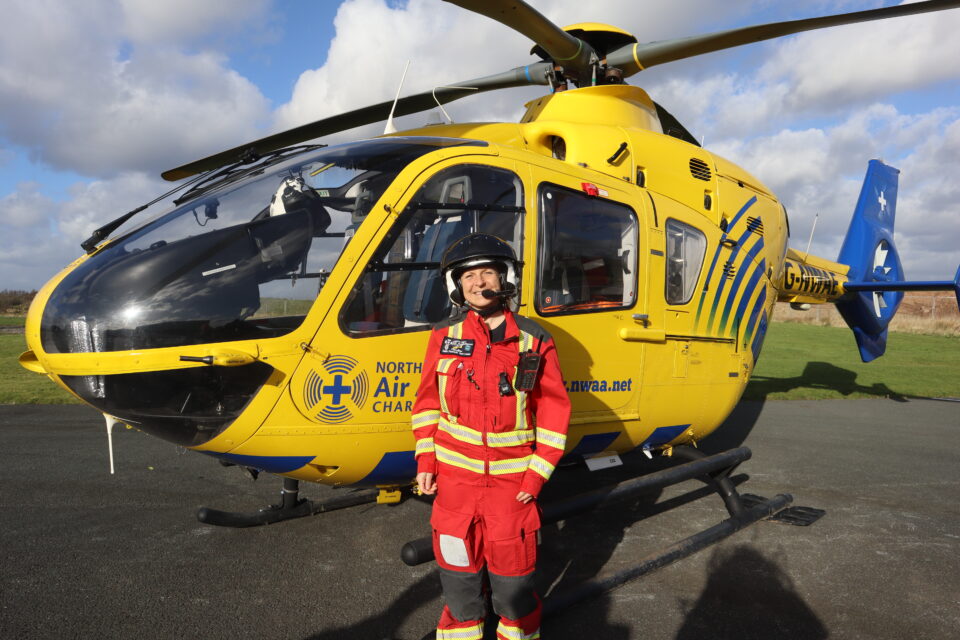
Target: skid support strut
291	506
720	479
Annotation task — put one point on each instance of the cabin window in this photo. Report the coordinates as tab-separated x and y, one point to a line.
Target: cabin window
686	247
588	253
401	288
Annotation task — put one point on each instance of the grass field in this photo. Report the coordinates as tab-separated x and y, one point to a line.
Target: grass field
12	321
19	386
807	362
799	362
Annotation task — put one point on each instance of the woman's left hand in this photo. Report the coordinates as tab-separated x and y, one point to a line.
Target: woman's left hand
524	497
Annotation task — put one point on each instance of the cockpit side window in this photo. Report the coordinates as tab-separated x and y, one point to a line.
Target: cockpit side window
686	247
401	288
588	253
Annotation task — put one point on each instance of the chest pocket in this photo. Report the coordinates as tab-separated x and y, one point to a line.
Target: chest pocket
449	379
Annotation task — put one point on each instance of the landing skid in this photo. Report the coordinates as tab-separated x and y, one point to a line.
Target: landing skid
291	506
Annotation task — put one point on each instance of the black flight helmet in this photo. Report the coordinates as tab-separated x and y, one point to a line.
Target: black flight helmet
476	250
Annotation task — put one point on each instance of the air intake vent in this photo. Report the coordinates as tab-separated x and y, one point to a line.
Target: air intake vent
699	169
755	225
729	270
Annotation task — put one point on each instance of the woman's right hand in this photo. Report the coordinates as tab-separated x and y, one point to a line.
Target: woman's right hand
427	483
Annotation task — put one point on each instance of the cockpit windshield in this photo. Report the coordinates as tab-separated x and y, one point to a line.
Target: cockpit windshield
243	260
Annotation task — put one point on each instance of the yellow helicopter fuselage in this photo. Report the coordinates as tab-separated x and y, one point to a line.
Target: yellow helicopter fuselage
656	352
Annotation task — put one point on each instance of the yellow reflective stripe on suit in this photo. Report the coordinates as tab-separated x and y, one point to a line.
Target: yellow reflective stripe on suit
521	416
460	432
443	367
551	438
510	438
424	445
526	343
497	467
455	459
515	633
541	466
474	632
510	465
424	418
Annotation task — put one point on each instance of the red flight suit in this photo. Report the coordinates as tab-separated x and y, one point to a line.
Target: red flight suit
485	448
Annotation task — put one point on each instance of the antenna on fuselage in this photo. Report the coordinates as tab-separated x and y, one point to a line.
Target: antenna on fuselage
390	128
434	93
810	240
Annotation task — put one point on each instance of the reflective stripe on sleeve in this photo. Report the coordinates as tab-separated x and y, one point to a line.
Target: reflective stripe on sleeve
455	459
510	465
425	418
424	445
510	438
551	438
541	466
461	433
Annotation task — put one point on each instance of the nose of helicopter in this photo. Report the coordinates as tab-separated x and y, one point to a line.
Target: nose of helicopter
96	319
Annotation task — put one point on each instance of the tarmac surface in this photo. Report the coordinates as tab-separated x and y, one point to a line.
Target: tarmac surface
86	554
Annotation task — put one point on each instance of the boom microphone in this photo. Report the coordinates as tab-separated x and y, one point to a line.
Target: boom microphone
490	294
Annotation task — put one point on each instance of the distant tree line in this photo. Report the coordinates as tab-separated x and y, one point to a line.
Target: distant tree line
15	302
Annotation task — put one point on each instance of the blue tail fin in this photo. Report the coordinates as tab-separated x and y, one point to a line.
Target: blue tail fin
872	256
877	282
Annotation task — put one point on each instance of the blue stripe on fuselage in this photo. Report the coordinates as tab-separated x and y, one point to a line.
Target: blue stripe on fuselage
270	464
395	467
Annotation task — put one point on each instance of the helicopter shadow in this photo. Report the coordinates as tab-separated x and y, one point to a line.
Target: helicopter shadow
387	622
582	546
734	431
748	596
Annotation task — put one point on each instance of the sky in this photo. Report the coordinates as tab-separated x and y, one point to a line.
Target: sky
97	98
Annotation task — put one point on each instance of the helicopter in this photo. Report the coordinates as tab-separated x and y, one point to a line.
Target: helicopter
276	316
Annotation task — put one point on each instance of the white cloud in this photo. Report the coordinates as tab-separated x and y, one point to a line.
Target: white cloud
25	207
75	103
447	45
819	171
188	21
40	235
860	62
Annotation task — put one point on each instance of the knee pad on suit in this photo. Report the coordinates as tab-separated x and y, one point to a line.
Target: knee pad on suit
463	593
513	596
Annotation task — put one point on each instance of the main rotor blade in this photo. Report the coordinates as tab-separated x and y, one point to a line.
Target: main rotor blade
566	50
533	74
636	57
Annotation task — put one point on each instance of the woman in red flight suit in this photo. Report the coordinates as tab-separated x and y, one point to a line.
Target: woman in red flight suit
490	421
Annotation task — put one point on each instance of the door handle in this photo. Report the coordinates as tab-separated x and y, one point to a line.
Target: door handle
636	334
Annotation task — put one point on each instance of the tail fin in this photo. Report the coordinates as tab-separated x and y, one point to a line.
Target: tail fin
876	283
872	255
